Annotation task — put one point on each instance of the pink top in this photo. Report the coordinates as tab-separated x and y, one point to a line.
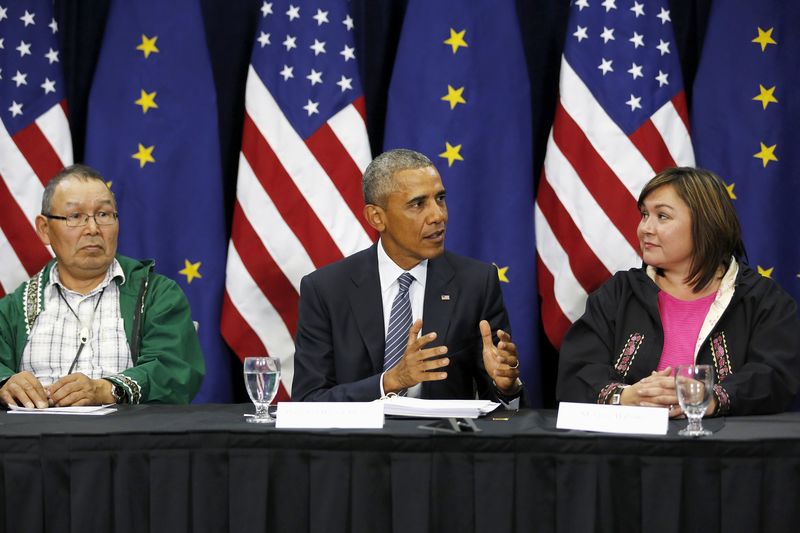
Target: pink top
682	322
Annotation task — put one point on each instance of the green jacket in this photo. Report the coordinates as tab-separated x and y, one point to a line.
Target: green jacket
168	364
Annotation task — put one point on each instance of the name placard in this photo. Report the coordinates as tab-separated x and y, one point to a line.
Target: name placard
329	415
613	418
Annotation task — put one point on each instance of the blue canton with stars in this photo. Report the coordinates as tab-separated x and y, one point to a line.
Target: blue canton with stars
30	73
624	51
305	55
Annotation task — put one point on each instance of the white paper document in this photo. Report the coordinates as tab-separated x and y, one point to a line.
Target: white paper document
329	415
626	419
91	410
416	407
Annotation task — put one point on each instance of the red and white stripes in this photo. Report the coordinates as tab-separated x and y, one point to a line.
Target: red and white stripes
586	214
298	208
27	161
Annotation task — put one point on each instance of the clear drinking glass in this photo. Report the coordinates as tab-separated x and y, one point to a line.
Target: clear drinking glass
261	377
694	386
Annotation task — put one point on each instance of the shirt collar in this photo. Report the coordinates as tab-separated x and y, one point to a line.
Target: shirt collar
389	271
114	272
729	279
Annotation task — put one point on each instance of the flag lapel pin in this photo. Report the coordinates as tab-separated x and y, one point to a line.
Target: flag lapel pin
445	297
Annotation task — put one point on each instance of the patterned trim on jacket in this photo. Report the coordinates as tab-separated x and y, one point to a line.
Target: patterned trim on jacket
719	354
722	365
132	388
723	401
33	300
609	390
629	351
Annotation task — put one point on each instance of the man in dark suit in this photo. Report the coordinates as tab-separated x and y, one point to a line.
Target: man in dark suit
350	308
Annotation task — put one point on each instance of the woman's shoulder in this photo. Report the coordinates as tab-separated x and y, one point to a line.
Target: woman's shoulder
753	285
631	288
631	280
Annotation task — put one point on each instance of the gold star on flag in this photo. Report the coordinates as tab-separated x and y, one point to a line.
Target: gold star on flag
451	153
148	45
147	100
109	183
764	38
454	96
730	190
501	273
191	270
766	96
144	155
456	39
766	154
766	272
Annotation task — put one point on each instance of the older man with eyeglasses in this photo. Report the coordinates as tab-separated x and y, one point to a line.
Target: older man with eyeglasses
93	327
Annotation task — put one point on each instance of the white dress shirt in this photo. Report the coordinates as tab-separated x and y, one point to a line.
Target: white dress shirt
388	272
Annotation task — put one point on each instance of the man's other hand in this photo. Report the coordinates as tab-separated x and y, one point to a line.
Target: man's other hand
501	361
24	390
417	364
79	389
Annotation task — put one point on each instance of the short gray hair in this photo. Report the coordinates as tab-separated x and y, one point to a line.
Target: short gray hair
77	171
378	180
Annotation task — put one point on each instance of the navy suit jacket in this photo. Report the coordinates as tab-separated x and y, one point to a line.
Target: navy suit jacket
339	346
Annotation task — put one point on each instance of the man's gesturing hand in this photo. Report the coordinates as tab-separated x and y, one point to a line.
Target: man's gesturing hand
417	364
501	361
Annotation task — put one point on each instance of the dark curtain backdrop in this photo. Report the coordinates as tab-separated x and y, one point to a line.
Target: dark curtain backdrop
230	27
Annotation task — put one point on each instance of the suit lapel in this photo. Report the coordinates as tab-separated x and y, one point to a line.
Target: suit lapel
441	296
367	306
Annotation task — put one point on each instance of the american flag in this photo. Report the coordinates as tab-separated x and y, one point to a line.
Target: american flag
34	133
620	118
304	149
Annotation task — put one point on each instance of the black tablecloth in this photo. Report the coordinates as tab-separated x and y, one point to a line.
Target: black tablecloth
202	468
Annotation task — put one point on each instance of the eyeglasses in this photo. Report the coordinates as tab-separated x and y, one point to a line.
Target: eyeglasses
76	220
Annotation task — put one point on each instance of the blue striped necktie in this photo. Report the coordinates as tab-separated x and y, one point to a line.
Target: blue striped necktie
399	324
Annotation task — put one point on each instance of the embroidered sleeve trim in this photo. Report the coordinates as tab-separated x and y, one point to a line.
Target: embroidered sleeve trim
629	351
132	388
608	391
723	401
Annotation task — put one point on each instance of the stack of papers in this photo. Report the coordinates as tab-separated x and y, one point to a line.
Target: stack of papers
94	410
368	415
418	408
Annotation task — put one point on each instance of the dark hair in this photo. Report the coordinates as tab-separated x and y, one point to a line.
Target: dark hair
716	233
378	180
77	171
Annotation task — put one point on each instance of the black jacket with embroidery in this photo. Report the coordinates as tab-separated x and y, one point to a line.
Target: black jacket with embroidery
754	347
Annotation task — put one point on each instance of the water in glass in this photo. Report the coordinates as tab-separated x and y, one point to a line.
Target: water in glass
261	378
694	386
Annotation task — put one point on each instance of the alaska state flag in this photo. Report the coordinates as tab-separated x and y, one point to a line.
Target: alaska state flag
745	115
152	132
460	94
